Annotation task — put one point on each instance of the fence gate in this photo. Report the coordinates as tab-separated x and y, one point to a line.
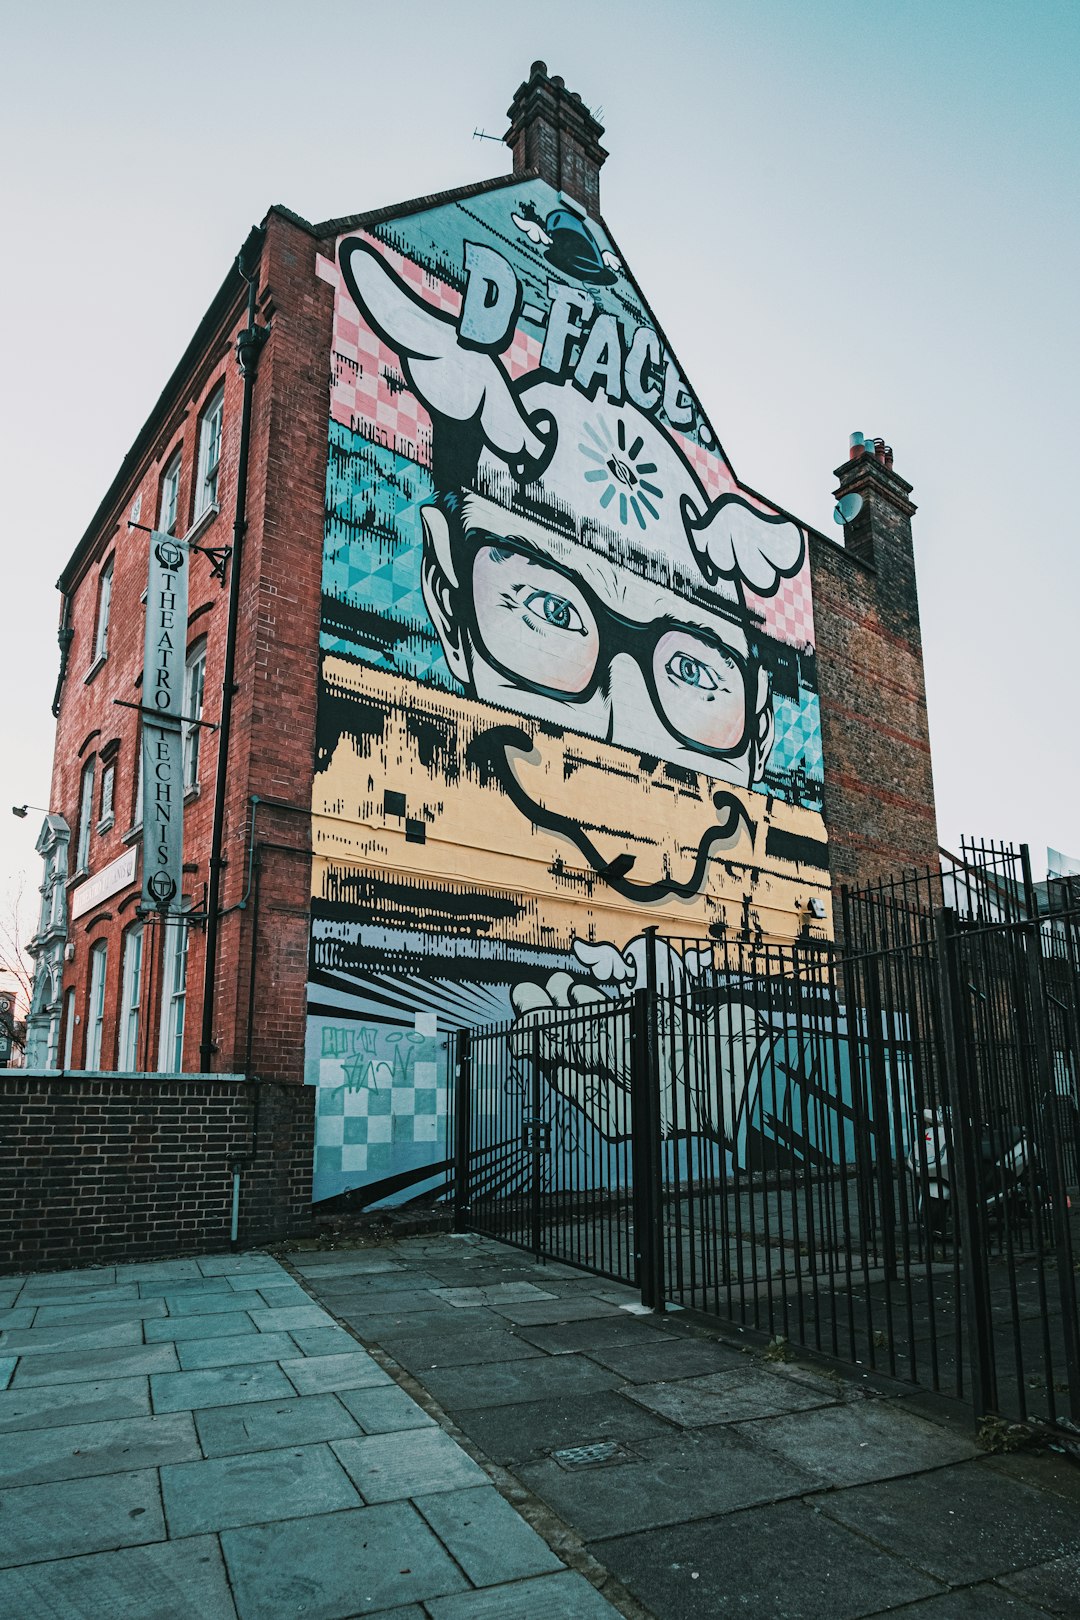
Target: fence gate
874	1153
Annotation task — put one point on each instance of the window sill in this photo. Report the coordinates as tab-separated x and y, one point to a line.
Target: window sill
192	792
105	824
99	662
201	524
77	876
132	834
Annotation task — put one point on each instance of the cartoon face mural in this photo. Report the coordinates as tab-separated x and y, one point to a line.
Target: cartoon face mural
568	684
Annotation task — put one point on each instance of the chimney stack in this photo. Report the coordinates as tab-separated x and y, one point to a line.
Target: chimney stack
552	130
883	523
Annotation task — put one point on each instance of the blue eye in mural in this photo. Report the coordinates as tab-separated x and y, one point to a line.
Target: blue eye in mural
619	472
568	244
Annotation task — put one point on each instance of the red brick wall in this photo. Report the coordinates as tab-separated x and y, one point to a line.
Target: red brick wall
879	787
98	1169
273	728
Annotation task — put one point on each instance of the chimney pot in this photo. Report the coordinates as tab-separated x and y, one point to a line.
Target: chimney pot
538	67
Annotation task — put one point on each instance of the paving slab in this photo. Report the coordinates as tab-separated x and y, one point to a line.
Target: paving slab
533	1429
782	1560
75	1295
272	1425
508	1382
67	1336
132	1310
221	1493
324	1341
384	1467
666	1480
233	1265
218	1325
381	1411
724	1397
75	1367
74	1516
21	1318
392	1302
112	1446
378	1325
494	1294
423	1352
56	1281
538	1313
218	1386
551	1597
140	1271
663	1363
1053	1587
199	1304
971	1603
7	1368
852	1443
49	1406
183	1287
962	1524
486	1537
354	1369
9	1292
231	1350
561	1338
278	1296
242	1282
319	1567
170	1580
340	1266
367	1285
292	1317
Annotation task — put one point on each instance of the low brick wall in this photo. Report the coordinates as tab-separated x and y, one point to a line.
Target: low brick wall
105	1167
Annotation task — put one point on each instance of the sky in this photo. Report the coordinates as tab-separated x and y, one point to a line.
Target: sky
846	217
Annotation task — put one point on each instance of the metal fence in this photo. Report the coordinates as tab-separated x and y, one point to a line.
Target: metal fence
869	1151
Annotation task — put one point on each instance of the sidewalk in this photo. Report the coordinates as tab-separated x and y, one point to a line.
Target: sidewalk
690	1477
197	1440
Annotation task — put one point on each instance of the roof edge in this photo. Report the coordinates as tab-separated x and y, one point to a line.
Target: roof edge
418	205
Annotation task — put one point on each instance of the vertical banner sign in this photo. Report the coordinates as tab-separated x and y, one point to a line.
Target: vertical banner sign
162	733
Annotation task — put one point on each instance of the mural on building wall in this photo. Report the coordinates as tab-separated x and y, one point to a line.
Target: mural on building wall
568	688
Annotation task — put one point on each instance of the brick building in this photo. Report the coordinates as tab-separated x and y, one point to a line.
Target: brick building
522	670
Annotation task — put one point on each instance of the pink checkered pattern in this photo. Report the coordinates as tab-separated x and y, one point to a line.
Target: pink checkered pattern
711	468
789	615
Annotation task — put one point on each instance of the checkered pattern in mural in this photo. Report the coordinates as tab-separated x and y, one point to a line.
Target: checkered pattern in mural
381	1101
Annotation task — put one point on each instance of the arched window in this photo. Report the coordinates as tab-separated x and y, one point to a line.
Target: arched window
194	687
130	998
86	815
169	504
95	1011
173	996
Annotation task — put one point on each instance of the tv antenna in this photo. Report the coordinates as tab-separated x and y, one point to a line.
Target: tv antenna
482	135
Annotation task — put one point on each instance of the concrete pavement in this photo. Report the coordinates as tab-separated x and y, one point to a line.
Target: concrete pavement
198	1438
688	1475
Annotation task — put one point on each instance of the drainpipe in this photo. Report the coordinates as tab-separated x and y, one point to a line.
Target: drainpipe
248	347
64	636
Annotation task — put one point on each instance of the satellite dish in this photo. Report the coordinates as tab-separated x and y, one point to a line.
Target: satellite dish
847	507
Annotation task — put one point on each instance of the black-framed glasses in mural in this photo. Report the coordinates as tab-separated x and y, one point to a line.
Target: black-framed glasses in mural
547	631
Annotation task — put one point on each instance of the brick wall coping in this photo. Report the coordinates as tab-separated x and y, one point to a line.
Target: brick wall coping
120	1075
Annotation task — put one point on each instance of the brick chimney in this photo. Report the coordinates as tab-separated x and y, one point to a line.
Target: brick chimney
882	526
552	130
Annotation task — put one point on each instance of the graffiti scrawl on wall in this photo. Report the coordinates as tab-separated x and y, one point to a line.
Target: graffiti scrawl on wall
568	687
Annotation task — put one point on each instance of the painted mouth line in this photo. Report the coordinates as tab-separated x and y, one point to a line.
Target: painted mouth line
489	752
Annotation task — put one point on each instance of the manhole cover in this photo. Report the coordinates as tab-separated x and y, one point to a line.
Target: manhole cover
594	1456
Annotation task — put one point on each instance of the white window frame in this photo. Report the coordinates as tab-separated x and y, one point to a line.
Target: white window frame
95	1014
169	504
194	696
130	998
86	814
174	996
104	610
210	434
